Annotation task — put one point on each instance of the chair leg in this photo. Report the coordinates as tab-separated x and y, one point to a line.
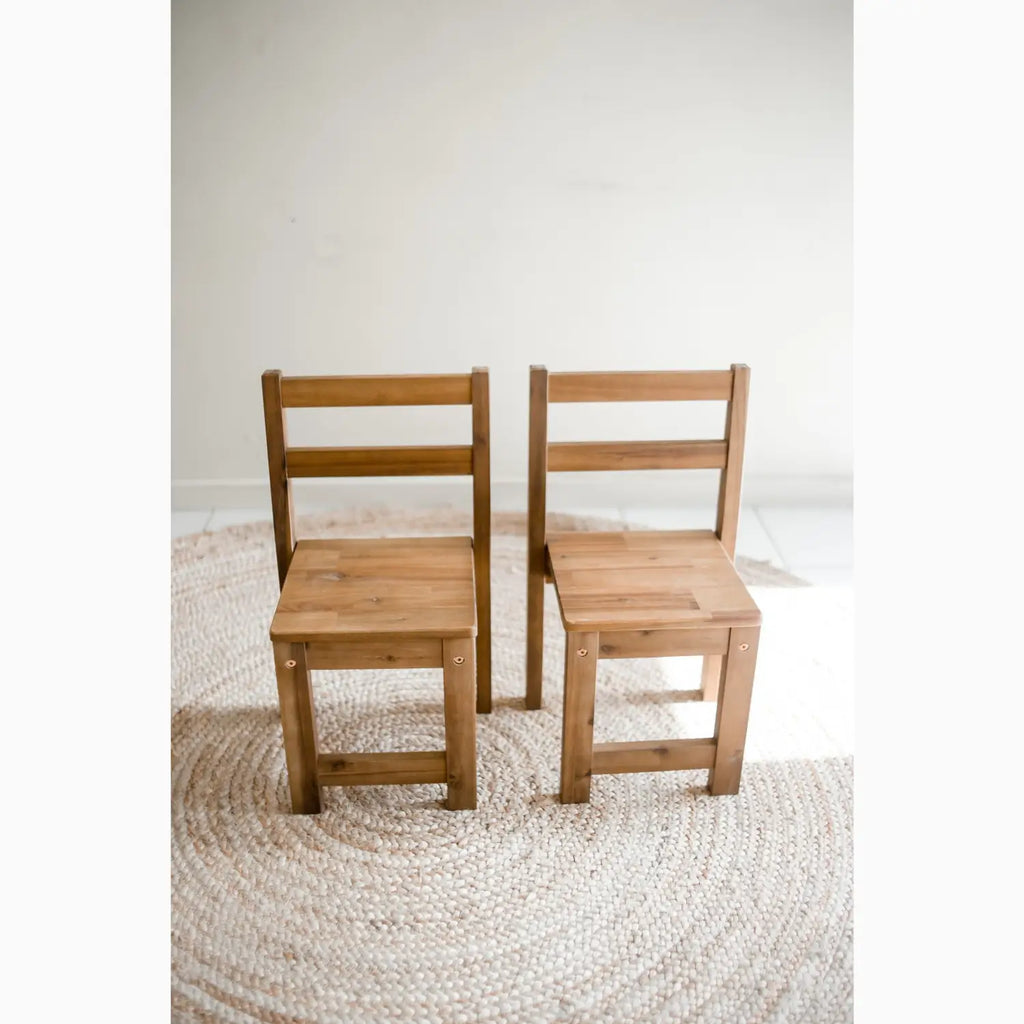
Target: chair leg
460	722
483	669
733	710
295	693
711	674
578	716
483	614
534	637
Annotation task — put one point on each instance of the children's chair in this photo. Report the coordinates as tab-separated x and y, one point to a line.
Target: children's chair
643	594
381	603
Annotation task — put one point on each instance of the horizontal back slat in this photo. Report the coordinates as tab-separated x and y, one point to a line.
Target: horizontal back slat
423	389
641	386
420	460
586	456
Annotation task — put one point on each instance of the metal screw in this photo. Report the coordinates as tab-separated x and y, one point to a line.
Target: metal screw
582	652
289	664
459	659
743	647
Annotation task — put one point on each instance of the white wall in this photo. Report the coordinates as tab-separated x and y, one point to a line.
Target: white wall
408	186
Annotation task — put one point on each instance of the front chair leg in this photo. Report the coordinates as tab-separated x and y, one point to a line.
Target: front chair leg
578	716
460	722
295	693
733	710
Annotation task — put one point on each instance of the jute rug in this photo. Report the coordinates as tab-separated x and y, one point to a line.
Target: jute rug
655	902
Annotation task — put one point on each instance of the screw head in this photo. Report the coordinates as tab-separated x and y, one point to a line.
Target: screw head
458	659
744	647
290	663
583	652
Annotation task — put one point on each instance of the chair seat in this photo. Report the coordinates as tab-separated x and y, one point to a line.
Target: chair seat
339	590
647	580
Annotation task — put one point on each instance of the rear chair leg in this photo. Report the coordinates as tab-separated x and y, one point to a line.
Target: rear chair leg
295	693
460	722
733	710
578	716
483	679
711	674
534	636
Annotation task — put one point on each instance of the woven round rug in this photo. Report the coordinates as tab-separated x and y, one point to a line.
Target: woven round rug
655	902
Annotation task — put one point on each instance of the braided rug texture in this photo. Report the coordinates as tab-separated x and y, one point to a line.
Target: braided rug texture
655	902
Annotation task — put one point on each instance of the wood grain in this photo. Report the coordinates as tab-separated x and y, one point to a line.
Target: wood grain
641	386
397	652
294	690
734	710
647	580
382	769
377	588
420	389
653	756
597	456
411	460
535	542
482	534
578	716
662	643
460	723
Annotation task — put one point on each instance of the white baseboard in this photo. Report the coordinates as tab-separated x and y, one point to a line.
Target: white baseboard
582	490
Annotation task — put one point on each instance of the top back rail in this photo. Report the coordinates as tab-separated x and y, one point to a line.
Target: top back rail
423	389
641	386
724	454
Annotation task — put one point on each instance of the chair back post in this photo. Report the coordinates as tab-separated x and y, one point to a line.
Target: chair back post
535	527
730	479
482	531
280	485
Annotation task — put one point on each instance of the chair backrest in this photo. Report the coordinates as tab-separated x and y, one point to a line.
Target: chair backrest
724	454
286	463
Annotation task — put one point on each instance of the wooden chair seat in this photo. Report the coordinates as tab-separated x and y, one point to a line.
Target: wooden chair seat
647	580
393	587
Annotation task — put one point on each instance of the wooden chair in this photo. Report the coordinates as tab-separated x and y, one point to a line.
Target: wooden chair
649	594
381	603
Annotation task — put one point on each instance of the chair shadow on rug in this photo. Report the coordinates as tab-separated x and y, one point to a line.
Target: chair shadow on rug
643	697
